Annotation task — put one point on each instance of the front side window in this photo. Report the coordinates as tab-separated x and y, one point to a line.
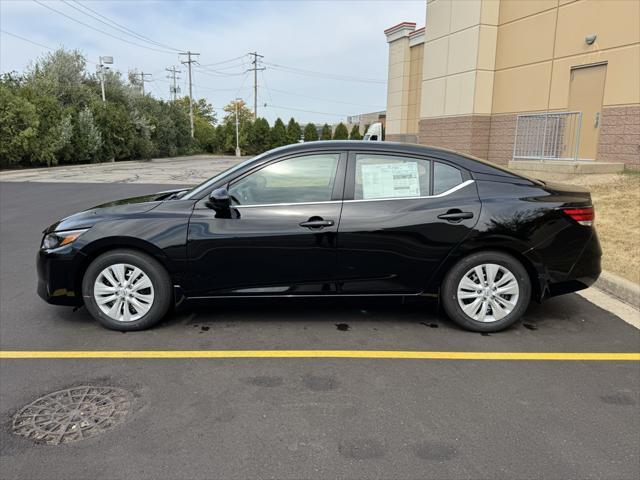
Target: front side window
296	180
385	176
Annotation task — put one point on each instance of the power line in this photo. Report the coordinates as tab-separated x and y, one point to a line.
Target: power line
215	74
97	29
325	99
330	76
242	84
308	111
227	67
223	61
116	25
266	86
24	39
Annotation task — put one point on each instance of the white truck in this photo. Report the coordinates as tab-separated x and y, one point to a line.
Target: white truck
374	132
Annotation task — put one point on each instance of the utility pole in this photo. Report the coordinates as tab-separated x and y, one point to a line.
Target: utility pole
255	81
188	62
237	124
142	80
173	89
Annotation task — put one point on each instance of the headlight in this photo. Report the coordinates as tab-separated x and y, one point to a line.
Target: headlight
60	239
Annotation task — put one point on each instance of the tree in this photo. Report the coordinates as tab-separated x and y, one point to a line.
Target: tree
326	132
355	133
310	133
54	113
294	132
18	127
278	134
87	138
61	74
244	114
341	132
54	127
118	132
259	137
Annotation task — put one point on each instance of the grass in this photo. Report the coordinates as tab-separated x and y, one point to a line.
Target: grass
616	198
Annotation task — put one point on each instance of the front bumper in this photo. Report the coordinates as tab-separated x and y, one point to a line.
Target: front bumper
57	269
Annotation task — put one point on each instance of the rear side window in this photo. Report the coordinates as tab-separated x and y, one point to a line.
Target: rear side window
445	177
386	176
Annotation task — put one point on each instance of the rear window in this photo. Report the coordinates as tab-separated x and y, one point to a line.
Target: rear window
445	177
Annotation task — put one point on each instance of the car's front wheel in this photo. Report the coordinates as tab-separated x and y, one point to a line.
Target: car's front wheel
486	291
126	290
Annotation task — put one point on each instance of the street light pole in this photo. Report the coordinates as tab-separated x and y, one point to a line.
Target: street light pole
102	62
237	136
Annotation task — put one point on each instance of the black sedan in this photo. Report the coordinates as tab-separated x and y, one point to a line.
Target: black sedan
326	219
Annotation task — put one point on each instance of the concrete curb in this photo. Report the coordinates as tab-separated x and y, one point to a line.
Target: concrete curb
621	288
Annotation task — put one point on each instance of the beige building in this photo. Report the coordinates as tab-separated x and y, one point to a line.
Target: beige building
505	79
362	120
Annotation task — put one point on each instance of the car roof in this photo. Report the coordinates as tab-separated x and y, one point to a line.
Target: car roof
463	160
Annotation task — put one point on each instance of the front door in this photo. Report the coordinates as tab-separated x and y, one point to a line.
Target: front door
585	95
401	217
281	237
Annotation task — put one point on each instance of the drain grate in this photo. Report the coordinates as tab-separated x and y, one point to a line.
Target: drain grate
73	414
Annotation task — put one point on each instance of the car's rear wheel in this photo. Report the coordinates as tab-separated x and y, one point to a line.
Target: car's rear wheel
126	290
486	291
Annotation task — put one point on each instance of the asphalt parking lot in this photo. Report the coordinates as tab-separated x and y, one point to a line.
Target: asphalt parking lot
313	417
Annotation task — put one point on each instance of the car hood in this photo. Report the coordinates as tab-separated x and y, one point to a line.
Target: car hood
112	210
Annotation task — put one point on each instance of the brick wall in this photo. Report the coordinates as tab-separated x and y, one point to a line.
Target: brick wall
402	138
620	136
466	134
492	137
501	139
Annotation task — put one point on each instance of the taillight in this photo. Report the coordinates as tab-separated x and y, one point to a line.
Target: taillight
584	215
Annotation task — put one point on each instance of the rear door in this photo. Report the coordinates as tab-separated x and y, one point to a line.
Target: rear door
401	216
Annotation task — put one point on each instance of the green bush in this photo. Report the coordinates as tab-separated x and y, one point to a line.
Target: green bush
341	132
310	133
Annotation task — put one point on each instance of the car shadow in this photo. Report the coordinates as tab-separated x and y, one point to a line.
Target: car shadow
338	311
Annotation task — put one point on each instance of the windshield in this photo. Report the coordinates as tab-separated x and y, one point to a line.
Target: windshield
195	191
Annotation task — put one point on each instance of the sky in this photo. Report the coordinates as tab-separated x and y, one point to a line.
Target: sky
338	47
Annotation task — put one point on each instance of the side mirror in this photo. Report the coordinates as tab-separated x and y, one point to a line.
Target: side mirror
219	200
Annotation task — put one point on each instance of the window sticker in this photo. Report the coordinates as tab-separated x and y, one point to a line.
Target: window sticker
388	180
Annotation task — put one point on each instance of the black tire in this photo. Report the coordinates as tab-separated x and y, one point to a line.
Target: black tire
449	291
162	298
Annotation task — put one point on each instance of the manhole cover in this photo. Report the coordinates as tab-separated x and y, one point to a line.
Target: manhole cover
72	414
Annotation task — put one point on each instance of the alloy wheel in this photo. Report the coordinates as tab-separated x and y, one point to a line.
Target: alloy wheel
123	292
488	292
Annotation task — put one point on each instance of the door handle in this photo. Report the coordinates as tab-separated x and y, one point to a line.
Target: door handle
455	216
317	223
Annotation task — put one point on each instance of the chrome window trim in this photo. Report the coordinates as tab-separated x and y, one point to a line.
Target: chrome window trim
440	195
285	204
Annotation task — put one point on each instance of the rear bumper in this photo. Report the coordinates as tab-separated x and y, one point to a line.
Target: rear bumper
584	272
56	276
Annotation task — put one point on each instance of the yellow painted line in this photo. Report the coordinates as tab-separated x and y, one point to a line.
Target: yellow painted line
371	354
